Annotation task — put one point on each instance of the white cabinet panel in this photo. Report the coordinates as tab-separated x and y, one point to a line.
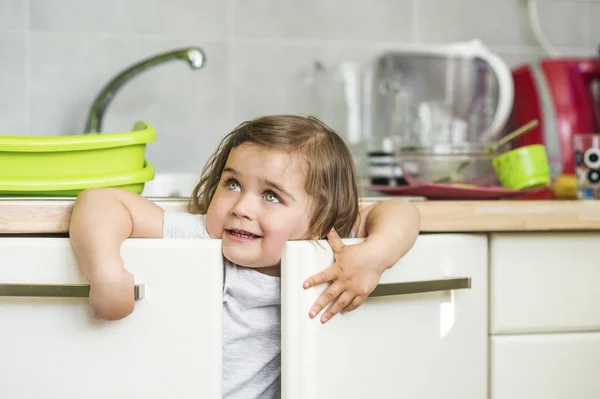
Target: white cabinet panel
544	282
170	347
548	366
426	345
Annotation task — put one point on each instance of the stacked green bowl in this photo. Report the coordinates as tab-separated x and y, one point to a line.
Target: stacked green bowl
64	166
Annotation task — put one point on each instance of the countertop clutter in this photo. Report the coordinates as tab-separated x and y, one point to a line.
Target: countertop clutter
51	216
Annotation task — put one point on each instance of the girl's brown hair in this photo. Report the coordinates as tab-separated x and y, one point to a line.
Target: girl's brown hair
329	172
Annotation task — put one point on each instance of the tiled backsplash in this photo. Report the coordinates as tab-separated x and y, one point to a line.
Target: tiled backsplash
55	55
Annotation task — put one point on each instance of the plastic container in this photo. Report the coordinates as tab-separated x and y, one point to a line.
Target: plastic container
59	186
66	165
66	157
524	167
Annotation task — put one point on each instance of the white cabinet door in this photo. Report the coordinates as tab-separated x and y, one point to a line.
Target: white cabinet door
427	345
170	347
548	366
544	282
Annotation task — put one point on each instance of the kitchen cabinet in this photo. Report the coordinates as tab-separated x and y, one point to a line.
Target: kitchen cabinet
544	315
537	337
420	345
394	346
544	282
548	366
169	347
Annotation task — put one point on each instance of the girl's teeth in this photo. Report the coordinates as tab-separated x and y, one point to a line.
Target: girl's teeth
241	234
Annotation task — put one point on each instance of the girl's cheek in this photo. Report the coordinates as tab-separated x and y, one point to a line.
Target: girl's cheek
209	226
280	228
214	222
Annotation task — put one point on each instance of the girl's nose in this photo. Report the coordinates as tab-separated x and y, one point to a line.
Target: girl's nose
243	208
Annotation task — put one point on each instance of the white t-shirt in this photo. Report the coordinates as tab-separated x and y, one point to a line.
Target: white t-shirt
251	320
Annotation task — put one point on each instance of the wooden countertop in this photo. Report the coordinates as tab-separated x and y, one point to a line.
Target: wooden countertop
51	216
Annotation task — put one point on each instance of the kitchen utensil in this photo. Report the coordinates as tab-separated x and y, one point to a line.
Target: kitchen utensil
524	167
60	186
68	158
425	95
492	148
429	164
559	93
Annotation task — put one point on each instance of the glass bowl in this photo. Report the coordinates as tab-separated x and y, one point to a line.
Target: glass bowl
459	163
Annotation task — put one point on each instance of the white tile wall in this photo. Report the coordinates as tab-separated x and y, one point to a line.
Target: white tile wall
205	19
55	55
494	22
324	19
12	15
569	27
594	25
13	93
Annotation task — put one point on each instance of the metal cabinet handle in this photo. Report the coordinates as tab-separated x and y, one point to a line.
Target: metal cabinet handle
57	290
416	287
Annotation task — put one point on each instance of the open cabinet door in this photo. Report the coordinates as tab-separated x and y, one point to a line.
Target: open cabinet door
422	333
52	347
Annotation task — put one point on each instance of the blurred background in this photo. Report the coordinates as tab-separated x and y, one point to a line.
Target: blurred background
56	55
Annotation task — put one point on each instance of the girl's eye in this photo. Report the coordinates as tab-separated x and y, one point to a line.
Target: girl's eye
232	185
272	197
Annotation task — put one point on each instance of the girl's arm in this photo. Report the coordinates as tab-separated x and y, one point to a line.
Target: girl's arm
101	220
391	225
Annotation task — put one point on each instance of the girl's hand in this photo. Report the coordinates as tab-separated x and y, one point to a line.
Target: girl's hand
355	274
112	297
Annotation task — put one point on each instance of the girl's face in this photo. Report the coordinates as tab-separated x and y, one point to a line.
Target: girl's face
260	203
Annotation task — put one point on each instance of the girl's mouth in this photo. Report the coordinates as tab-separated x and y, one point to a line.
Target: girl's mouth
240	235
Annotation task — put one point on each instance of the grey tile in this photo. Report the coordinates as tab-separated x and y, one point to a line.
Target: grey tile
12	15
594	26
272	79
565	22
74	15
332	53
203	19
494	22
187	108
577	51
324	19
261	76
12	81
514	58
519	56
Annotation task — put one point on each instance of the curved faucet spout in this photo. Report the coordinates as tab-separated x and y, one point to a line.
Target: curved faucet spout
194	56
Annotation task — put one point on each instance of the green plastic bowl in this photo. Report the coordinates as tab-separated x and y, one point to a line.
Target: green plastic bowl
524	167
68	158
60	187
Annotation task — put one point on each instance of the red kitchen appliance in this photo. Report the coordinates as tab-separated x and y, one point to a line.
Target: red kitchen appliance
559	94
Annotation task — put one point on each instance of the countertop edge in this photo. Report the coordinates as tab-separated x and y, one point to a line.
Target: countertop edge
53	216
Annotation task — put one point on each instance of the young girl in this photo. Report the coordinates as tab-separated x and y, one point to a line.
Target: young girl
272	179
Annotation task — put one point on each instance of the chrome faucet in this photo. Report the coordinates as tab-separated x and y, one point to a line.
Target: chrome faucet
193	55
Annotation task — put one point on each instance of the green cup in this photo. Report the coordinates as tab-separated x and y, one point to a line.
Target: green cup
524	167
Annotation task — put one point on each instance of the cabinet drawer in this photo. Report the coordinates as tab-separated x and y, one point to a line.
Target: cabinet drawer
420	345
544	282
169	347
548	366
